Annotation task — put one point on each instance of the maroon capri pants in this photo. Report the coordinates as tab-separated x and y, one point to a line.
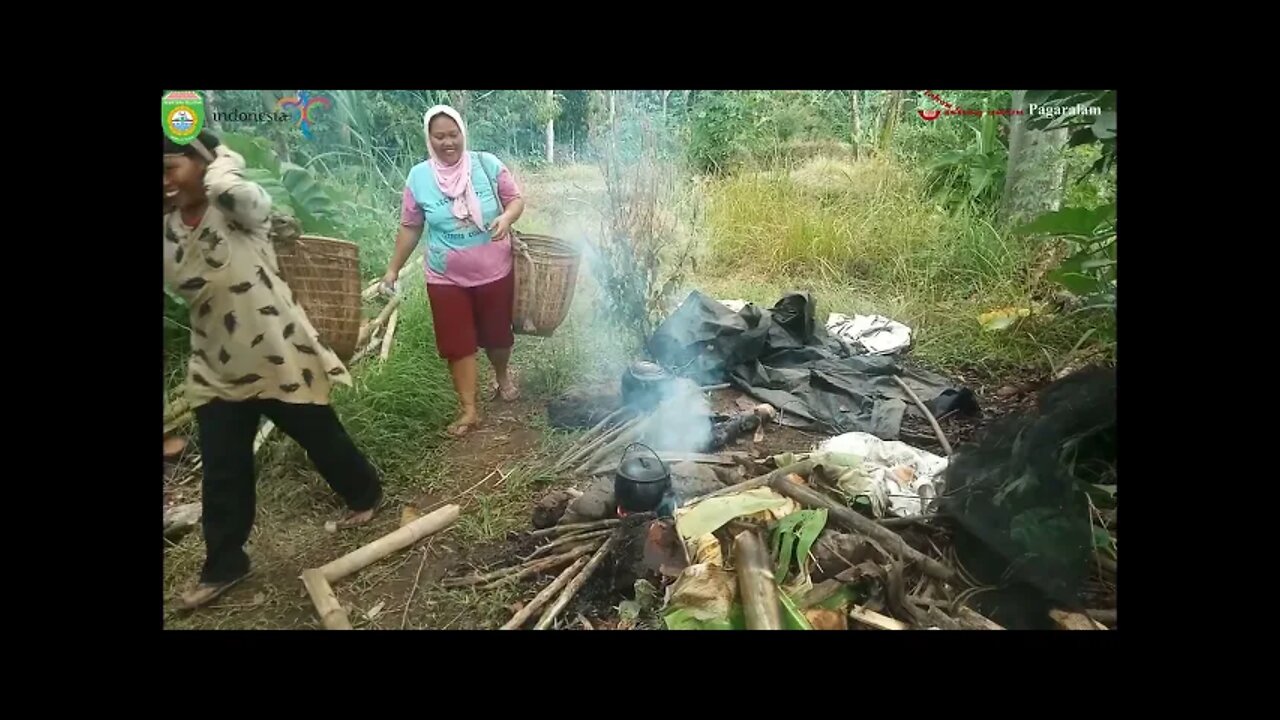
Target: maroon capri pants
467	318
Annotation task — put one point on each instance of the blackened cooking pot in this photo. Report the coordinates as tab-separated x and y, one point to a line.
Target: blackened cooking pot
640	482
644	385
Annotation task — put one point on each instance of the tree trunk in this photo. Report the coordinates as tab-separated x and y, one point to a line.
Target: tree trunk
551	129
613	108
855	112
665	95
890	111
1036	171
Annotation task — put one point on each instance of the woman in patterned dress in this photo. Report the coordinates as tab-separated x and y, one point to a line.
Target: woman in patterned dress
253	353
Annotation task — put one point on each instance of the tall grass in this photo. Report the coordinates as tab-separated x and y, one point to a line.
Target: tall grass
867	236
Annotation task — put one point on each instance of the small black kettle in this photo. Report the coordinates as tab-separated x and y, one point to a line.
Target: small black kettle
639	483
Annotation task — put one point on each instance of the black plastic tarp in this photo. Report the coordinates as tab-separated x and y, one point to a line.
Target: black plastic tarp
782	356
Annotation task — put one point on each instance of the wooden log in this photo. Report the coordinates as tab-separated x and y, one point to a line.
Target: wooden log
802	468
892	541
545	596
391	331
575	527
755	583
578	581
873	619
361	558
332	615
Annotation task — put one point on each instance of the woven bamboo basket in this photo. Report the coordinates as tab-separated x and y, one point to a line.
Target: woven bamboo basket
546	275
324	275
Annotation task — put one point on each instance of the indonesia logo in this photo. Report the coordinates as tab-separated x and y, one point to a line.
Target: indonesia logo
182	114
303	103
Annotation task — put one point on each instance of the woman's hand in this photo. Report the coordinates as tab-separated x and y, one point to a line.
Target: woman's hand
500	227
388	286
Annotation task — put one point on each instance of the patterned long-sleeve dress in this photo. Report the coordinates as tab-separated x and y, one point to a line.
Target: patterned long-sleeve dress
249	339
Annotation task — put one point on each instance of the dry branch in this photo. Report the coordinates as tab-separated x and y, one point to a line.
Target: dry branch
575	527
588	440
578	581
570	540
802	468
518	572
933	422
873	619
624	434
545	596
851	520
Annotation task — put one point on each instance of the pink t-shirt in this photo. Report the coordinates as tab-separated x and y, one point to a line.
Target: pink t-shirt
475	266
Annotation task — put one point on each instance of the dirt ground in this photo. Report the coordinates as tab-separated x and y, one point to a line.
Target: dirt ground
493	474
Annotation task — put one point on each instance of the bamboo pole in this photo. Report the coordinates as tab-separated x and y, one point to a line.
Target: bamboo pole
755	583
378	321
545	596
332	615
361	558
391	330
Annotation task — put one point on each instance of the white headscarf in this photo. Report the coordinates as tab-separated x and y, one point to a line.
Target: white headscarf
454	180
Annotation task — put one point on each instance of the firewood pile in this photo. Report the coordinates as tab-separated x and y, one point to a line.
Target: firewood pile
751	544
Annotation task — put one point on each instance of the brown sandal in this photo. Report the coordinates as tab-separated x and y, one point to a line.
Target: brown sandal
349	520
204	593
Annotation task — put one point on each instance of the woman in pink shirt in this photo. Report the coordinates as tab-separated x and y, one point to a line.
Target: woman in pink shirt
466	203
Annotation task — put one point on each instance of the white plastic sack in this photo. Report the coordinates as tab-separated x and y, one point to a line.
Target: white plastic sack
873	334
909	477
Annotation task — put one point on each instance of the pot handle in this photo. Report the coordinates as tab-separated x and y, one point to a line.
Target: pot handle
627	449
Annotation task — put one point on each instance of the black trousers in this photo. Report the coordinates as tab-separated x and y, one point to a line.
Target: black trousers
227	430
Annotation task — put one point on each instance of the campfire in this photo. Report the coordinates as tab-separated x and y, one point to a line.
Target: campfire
679	516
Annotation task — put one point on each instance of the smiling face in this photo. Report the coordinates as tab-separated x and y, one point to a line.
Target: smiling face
446	139
183	181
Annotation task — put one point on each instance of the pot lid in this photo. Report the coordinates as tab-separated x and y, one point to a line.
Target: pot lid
641	469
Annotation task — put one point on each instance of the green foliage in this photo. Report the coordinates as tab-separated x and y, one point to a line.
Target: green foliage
293	188
1085	129
1090	270
793	537
975	174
